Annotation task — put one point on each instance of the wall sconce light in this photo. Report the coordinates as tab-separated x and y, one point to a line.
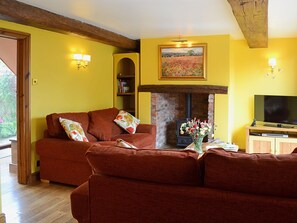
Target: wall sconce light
81	60
179	41
273	70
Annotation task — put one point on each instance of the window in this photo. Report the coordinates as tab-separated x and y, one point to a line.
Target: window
8	108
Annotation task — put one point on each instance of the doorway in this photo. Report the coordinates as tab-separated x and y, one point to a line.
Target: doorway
8	118
23	105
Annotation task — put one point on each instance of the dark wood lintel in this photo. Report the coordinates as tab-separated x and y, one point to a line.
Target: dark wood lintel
201	89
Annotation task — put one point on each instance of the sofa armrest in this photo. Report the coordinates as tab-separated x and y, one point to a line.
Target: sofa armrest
49	146
63	161
80	203
146	128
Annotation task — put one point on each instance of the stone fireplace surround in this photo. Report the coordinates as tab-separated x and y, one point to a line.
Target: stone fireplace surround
168	105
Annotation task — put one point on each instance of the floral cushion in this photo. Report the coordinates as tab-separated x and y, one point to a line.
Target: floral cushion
73	130
127	121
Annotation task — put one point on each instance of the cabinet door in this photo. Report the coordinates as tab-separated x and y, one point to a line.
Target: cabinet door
260	144
285	145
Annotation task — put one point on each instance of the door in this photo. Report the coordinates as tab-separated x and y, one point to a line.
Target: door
23	105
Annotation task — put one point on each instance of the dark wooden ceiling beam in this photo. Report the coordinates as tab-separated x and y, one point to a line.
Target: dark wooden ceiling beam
14	11
252	16
199	89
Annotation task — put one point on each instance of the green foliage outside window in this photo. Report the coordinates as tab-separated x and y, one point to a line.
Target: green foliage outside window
8	126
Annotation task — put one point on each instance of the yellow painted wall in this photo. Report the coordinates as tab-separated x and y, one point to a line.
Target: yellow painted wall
218	73
250	67
61	87
230	63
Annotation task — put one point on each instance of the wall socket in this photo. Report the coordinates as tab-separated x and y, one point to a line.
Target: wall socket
34	81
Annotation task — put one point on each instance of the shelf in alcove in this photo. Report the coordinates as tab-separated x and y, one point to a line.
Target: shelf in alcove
125	94
126	77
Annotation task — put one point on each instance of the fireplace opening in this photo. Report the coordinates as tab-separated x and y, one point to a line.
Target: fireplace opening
183	140
170	110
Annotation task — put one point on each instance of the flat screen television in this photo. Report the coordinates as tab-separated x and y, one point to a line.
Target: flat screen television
276	109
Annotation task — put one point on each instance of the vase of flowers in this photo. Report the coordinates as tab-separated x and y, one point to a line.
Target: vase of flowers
198	144
197	130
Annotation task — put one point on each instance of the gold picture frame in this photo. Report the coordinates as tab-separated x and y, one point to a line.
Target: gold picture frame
182	62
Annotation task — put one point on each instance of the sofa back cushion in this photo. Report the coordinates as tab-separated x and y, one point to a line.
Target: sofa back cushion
159	166
264	174
102	125
56	130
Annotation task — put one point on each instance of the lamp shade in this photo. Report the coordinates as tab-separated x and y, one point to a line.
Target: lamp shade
77	56
272	62
86	58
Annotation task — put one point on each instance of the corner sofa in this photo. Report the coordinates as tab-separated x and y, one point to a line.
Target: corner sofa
148	186
63	160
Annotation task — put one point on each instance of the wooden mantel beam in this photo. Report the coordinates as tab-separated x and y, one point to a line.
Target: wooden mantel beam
14	11
197	89
251	16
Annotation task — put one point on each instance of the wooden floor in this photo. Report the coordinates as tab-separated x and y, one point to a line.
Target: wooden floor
42	203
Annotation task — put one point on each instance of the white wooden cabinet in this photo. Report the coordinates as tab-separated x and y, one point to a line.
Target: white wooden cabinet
270	144
260	144
285	146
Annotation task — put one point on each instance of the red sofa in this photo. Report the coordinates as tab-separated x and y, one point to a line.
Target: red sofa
63	160
148	186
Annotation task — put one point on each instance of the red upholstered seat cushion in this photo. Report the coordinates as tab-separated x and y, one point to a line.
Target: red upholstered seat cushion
56	130
264	174
160	166
102	125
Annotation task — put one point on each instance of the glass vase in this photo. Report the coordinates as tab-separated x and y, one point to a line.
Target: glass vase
198	144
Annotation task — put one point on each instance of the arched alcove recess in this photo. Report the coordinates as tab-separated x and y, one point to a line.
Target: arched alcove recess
23	105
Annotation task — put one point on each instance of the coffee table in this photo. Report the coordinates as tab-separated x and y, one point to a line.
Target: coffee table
207	145
191	146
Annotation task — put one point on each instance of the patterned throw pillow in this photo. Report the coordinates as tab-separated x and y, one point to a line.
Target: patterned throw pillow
122	143
127	121
73	130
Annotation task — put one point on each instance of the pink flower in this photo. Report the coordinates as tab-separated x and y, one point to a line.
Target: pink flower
196	128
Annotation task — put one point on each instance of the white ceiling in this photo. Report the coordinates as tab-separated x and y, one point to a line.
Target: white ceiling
139	19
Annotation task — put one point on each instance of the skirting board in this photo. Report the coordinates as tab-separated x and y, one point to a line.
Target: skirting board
34	178
2	218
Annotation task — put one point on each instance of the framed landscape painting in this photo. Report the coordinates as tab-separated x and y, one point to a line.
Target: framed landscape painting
182	62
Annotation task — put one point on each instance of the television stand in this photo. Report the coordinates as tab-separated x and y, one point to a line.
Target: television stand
266	139
270	125
278	125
